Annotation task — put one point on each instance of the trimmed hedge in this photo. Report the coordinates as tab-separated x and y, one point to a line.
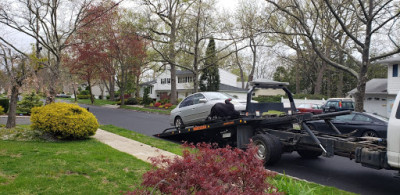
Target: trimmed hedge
5	103
131	101
83	96
64	121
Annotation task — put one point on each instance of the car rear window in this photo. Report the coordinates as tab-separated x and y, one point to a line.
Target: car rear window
304	106
348	105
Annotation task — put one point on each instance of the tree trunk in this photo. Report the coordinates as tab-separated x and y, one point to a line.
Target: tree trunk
122	86
53	83
137	86
195	82
339	90
112	88
254	51
297	72
172	64
318	82
12	112
90	91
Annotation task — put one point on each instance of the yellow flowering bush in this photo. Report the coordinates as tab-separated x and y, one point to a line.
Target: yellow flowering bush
1	110
64	121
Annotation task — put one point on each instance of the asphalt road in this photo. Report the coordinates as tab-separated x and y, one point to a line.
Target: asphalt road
339	172
141	122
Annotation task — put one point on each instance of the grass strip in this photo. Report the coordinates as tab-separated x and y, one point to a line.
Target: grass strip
84	167
152	141
97	102
160	111
293	186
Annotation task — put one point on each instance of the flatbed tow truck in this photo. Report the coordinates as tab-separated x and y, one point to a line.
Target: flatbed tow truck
275	135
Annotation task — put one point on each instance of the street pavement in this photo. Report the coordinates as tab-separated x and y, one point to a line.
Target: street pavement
21	120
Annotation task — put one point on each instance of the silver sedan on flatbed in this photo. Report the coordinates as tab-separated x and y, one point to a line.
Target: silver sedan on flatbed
196	108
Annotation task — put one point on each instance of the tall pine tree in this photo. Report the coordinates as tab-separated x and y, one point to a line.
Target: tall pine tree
209	80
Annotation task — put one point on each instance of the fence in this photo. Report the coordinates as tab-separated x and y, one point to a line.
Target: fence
286	102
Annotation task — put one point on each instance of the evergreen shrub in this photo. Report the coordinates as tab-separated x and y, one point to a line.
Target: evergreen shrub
84	92
5	103
83	96
64	121
28	102
131	101
261	99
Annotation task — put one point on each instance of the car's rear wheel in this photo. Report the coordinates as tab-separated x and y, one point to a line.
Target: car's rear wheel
369	133
179	123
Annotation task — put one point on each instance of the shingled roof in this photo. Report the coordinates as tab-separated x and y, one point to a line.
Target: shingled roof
374	86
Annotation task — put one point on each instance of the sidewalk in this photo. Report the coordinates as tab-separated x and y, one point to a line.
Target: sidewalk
132	147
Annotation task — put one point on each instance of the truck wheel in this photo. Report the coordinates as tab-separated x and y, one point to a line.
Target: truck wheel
309	154
269	148
179	123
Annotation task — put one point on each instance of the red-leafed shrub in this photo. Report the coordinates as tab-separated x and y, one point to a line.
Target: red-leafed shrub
167	105
157	104
209	170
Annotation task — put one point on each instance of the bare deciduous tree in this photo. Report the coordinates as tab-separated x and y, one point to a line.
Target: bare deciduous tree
51	23
17	68
364	21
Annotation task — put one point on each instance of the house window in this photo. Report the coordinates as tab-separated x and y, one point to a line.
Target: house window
395	70
185	79
165	80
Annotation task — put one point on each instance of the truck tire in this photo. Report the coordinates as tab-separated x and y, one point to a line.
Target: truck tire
309	154
269	148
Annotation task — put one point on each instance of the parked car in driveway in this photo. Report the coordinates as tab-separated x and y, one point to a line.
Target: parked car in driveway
63	96
338	104
366	124
309	107
197	107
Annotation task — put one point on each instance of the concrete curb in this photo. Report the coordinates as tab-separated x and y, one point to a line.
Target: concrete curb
5	116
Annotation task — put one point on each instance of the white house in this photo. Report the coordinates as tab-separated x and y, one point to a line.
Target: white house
380	93
160	88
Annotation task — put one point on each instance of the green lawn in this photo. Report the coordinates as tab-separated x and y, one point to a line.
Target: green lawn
83	167
160	111
71	167
97	102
